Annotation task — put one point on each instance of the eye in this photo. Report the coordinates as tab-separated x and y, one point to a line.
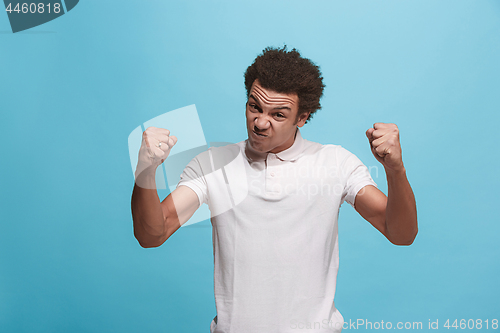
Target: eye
254	106
280	115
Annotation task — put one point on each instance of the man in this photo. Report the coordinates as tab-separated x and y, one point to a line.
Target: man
274	200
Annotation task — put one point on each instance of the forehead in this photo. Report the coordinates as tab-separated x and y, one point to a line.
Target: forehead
268	96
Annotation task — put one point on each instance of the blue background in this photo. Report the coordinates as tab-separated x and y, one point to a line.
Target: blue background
72	90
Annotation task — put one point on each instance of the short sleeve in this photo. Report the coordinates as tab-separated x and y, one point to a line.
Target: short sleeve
355	175
193	177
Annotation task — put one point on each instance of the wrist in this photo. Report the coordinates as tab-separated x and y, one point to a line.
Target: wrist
145	177
395	171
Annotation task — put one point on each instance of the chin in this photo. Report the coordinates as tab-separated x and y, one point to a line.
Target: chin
258	148
254	147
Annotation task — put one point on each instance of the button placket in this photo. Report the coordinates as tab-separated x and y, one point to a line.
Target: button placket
271	173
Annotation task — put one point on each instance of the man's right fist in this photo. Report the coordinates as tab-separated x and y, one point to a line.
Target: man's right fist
155	147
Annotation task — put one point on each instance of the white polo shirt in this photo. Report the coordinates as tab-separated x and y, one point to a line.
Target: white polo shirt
275	232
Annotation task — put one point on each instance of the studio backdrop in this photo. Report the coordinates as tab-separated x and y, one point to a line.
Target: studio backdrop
80	80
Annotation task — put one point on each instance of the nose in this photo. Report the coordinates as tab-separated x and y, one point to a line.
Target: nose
261	122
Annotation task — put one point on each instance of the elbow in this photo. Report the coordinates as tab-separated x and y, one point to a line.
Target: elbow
405	241
148	244
148	241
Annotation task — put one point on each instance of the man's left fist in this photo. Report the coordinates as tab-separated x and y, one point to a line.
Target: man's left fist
384	141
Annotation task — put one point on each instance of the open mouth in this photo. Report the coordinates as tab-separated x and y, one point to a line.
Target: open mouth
259	135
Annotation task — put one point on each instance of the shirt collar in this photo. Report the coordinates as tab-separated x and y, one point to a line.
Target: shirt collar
290	154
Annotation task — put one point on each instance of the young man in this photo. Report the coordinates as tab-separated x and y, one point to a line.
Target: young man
274	200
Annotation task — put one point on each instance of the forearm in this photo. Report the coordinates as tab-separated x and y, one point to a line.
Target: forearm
147	214
401	210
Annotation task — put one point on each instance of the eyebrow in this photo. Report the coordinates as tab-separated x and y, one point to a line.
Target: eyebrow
275	108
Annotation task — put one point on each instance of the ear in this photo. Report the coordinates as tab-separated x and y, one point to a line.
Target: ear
302	119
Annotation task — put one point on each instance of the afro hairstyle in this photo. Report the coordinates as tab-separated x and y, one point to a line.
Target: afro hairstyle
287	72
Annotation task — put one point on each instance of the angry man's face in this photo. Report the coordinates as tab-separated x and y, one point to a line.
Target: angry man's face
272	119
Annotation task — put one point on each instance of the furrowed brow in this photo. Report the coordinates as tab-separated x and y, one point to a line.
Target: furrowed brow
284	107
252	96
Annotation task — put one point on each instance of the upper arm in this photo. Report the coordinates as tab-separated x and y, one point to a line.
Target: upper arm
178	207
371	204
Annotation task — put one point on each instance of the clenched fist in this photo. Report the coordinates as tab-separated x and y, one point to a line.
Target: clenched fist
155	147
384	141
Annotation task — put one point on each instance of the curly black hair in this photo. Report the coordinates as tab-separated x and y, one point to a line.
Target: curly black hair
287	72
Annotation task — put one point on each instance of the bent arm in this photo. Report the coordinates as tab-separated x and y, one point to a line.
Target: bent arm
395	216
155	221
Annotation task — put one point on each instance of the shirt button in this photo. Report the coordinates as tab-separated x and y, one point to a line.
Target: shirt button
273	174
